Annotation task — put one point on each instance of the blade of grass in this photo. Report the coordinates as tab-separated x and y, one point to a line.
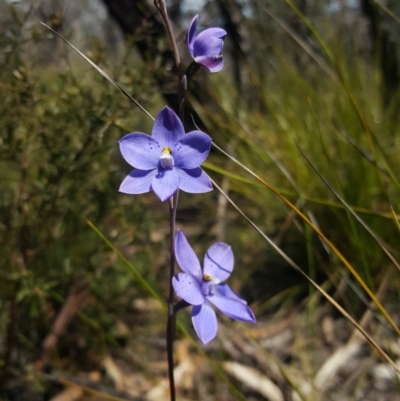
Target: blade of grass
321	235
320	289
222	171
305	46
372	160
313	31
105	75
387	11
130	267
354	230
367	155
372	140
377	239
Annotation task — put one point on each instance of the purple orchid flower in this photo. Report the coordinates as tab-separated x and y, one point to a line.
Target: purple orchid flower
166	160
206	47
203	287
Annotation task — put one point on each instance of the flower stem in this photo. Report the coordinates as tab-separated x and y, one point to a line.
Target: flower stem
173	203
192	69
182	81
162	8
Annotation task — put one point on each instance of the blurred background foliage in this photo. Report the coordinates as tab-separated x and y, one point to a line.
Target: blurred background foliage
59	126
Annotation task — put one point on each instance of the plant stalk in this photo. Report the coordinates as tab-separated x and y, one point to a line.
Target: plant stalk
171	323
182	80
173	202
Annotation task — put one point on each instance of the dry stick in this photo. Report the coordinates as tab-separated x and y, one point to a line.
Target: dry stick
341	357
320	289
73	303
365	319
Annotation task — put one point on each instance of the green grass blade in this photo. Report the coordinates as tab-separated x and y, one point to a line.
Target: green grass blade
320	289
387	11
377	239
105	75
146	286
333	248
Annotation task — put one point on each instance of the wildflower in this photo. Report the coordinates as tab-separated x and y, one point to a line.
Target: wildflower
166	160
206	47
203	287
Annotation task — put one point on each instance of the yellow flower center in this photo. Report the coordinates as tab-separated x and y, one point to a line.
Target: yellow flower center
207	277
167	150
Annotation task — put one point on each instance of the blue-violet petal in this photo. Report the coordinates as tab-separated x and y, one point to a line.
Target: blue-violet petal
140	150
225	291
192	150
188	288
165	183
186	258
205	322
194	181
218	261
167	129
209	42
191	34
213	64
137	182
231	307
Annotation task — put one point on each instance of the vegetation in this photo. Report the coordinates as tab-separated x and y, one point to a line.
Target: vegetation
81	263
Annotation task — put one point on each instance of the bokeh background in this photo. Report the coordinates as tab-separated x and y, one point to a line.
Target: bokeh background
315	76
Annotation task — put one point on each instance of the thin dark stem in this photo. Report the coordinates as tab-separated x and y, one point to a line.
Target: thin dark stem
181	98
182	304
192	69
10	334
170	348
173	203
182	81
162	7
